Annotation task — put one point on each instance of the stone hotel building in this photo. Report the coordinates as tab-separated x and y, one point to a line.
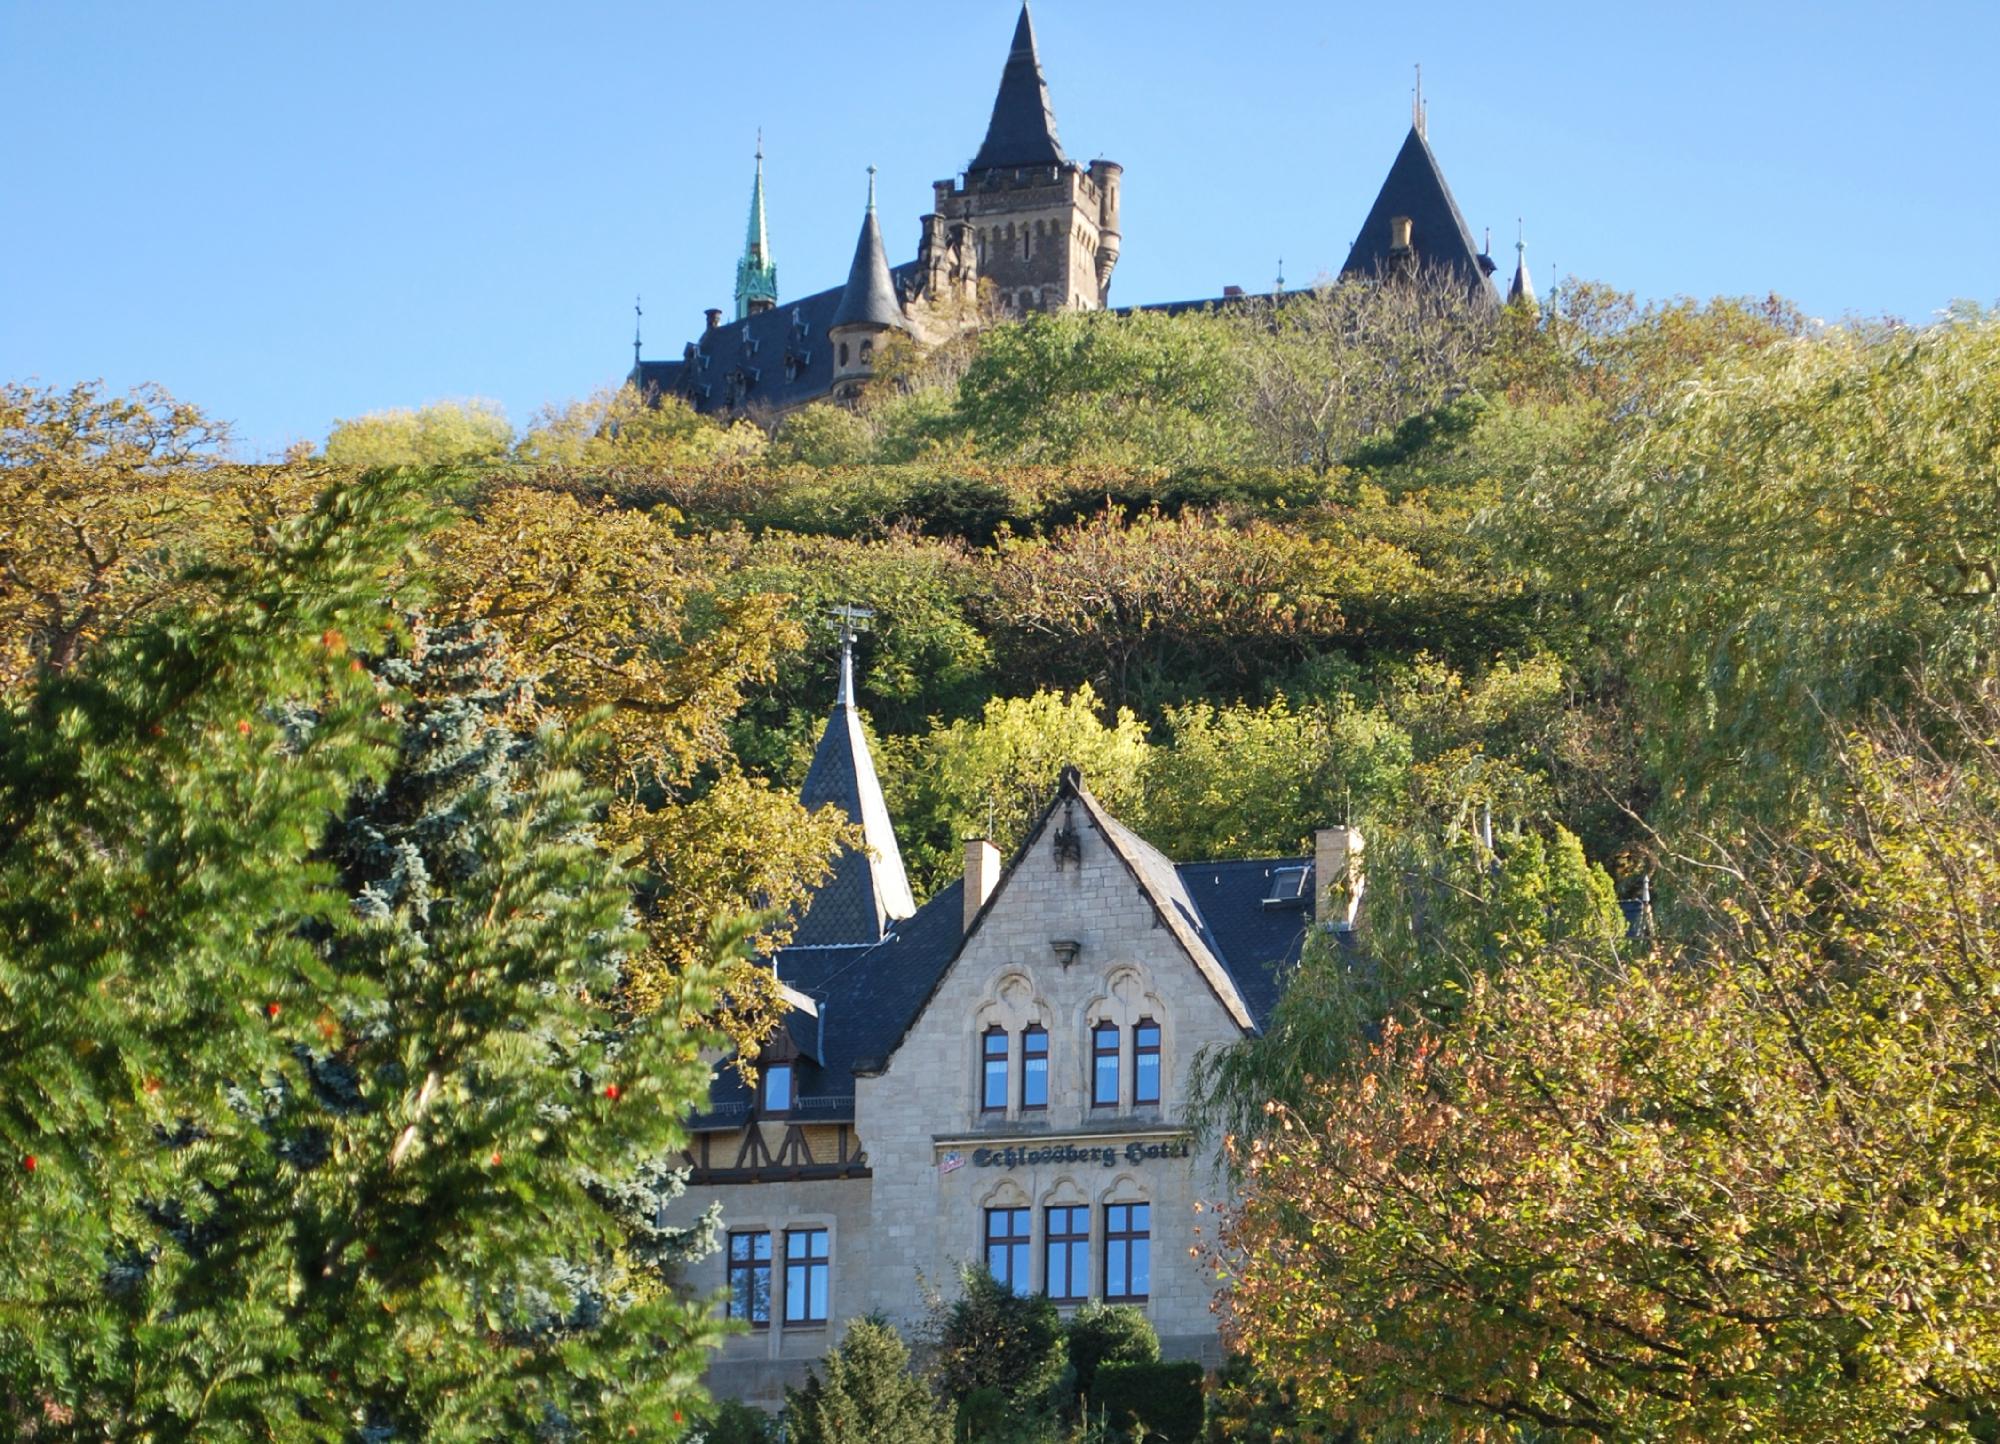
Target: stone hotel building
997	1076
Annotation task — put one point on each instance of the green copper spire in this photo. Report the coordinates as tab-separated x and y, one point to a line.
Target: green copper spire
756	274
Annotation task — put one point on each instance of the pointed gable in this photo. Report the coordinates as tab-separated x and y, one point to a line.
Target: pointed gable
1022	131
869	889
1415	189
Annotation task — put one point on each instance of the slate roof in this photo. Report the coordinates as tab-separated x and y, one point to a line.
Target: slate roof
867	997
774	360
869	889
869	297
1416	188
1022	131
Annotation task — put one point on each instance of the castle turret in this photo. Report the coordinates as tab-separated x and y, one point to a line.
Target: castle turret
1523	288
868	309
1035	219
756	273
869	890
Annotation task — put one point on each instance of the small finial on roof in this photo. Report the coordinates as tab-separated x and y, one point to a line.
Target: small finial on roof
849	620
1417	102
637	317
871	188
1281	273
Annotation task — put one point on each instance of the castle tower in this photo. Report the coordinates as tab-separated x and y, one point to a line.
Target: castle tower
868	311
756	273
1042	231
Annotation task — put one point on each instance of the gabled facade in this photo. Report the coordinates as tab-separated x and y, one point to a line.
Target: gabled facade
1023	228
999	1077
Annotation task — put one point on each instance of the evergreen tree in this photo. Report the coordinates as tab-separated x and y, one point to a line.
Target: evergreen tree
868	1396
293	1161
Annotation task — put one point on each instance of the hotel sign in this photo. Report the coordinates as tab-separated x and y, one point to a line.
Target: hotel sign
1026	1154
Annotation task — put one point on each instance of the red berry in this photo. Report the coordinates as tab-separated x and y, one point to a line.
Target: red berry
243	725
29	1163
611	1091
496	1160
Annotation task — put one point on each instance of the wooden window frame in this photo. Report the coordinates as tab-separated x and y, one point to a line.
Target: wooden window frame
751	1265
1028	1034
1099	1033
1141	1051
1067	1241
987	1058
1125	1239
1019	1246
805	1264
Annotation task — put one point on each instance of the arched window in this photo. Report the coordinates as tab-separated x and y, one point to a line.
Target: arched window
1146	1061
993	1071
1034	1066
1104	1066
867	350
843	353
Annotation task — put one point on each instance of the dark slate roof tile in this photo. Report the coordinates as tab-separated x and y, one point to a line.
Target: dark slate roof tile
1022	131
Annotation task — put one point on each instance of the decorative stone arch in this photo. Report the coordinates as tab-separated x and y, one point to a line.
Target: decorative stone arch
1012	1000
1124	1187
1129	992
1005	1193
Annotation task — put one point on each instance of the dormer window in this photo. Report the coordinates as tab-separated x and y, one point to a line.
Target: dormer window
778	1088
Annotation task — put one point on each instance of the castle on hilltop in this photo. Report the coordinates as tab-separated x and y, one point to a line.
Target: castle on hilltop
1023	229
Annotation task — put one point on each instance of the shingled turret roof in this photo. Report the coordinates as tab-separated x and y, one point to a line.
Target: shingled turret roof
869	889
870	296
1416	189
1023	129
1523	288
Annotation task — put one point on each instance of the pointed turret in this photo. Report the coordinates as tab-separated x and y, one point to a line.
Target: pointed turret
870	297
1523	289
869	889
756	273
1416	225
1022	131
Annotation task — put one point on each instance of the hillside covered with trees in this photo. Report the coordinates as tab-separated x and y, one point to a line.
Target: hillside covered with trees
1686	606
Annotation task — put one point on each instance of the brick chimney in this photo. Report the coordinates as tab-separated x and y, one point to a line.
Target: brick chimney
982	873
1337	882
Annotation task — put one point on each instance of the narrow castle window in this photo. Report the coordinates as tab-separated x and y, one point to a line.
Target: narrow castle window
1007	1247
843	353
993	1087
1128	1251
1035	1067
1146	1062
750	1278
807	1267
867	351
1104	1066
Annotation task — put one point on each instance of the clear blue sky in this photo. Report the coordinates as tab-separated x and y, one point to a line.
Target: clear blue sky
296	211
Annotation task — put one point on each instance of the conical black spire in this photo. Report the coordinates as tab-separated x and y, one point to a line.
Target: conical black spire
869	889
1023	129
870	297
1439	238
